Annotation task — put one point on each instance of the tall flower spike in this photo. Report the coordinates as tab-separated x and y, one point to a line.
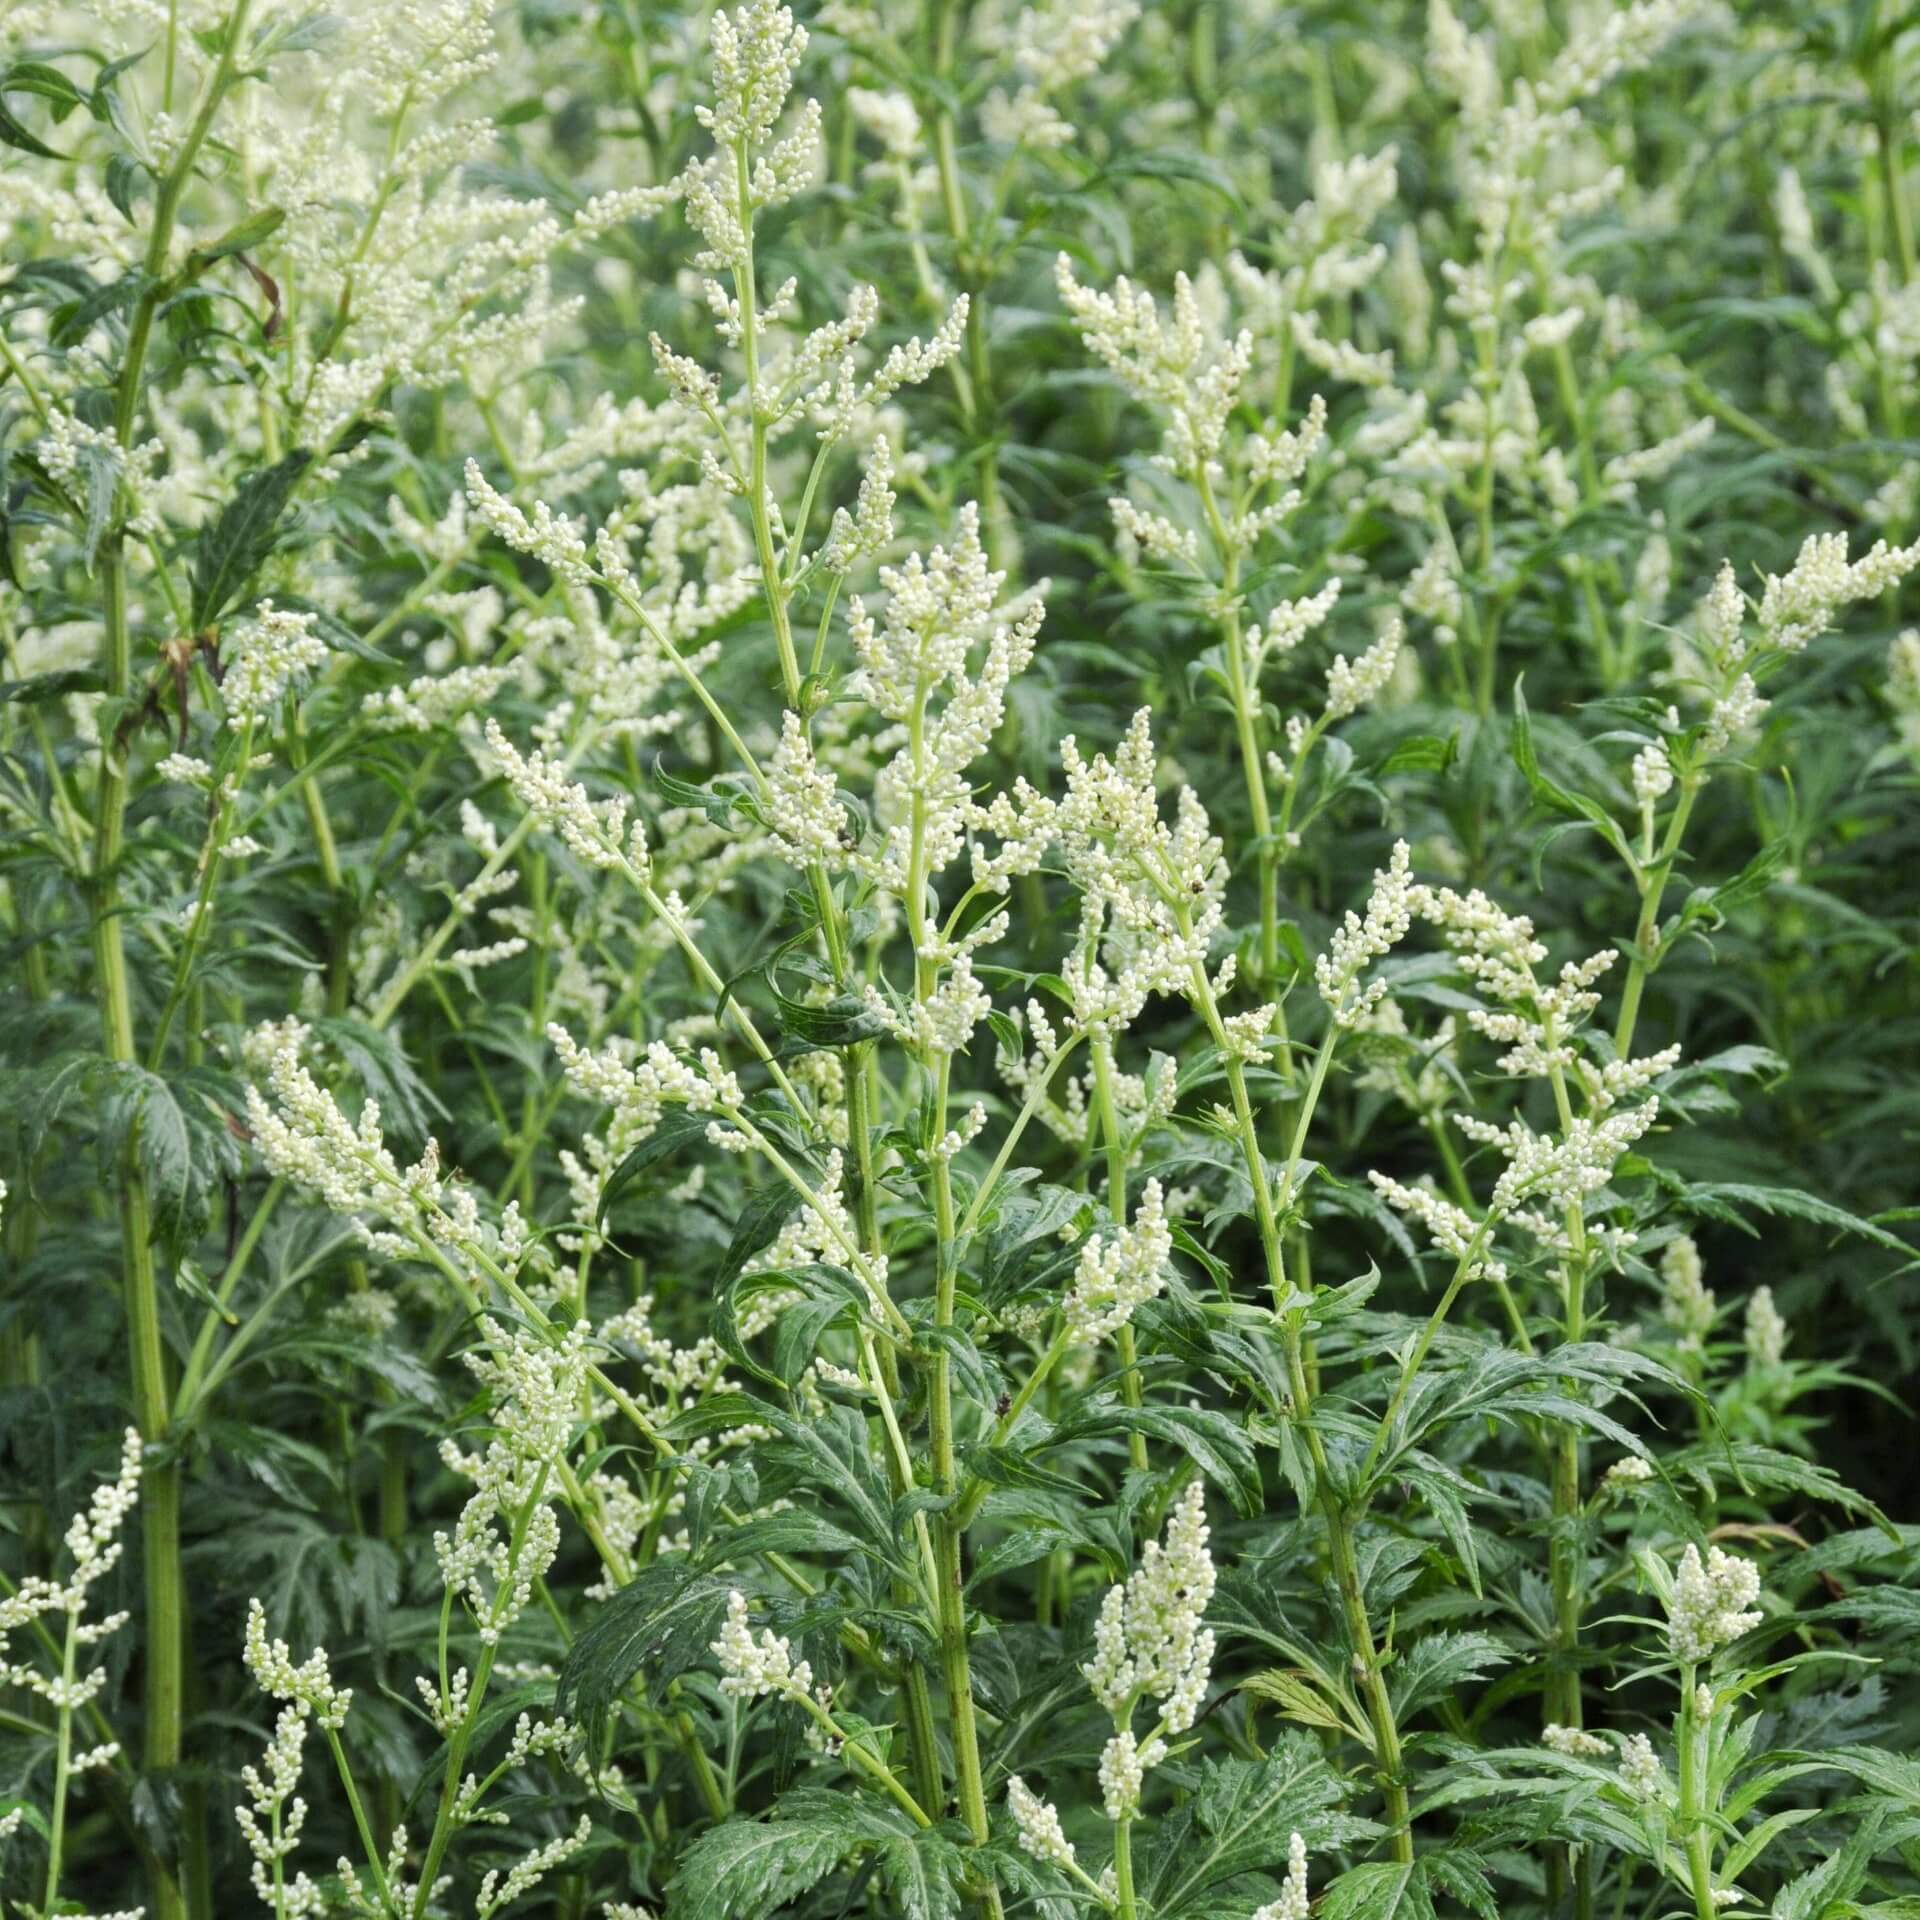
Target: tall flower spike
1120	1272
1149	1643
1359	942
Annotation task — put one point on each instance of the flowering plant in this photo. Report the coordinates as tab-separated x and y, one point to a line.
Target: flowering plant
959	961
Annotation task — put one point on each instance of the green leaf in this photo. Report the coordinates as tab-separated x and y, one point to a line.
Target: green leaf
232	550
745	1869
674	1131
1239	1820
316	1583
30	76
659	1624
1574	805
842	1022
39	688
103	488
1723	1200
1378	1890
35	76
182	1140
766	1210
243	237
794	1530
77	321
1214	1443
1177	166
1421	753
1439	1663
127	179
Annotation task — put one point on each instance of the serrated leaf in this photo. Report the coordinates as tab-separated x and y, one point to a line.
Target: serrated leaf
745	1869
1215	1444
1378	1890
231	551
1239	1821
1439	1663
657	1626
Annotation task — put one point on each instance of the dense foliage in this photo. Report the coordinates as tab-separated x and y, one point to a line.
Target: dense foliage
958	960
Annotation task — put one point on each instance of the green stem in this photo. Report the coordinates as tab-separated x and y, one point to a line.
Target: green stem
1246	726
365	1832
1410	1370
62	1764
1127	1901
1653	885
455	1772
1693	1743
951	1601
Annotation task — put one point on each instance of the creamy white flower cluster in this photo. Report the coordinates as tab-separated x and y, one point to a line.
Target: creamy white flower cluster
275	1815
1162	885
1149	1644
1351	687
1712	1603
1575	1742
1139	1100
915	670
1177	364
1451	1228
301	1134
94	1546
1120	1271
1512	141
1766	1331
802	804
1057	44
596	832
498	1890
308	1685
1559	1172
1640	1770
640	1090
1359	941
508	1533
1719	661
263	657
1641	1773
1797	607
757	50
67	443
1539	1025
750	1667
548	537
1323	240
1902	688
1037	1825
1294	1902
1652	775
432	701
